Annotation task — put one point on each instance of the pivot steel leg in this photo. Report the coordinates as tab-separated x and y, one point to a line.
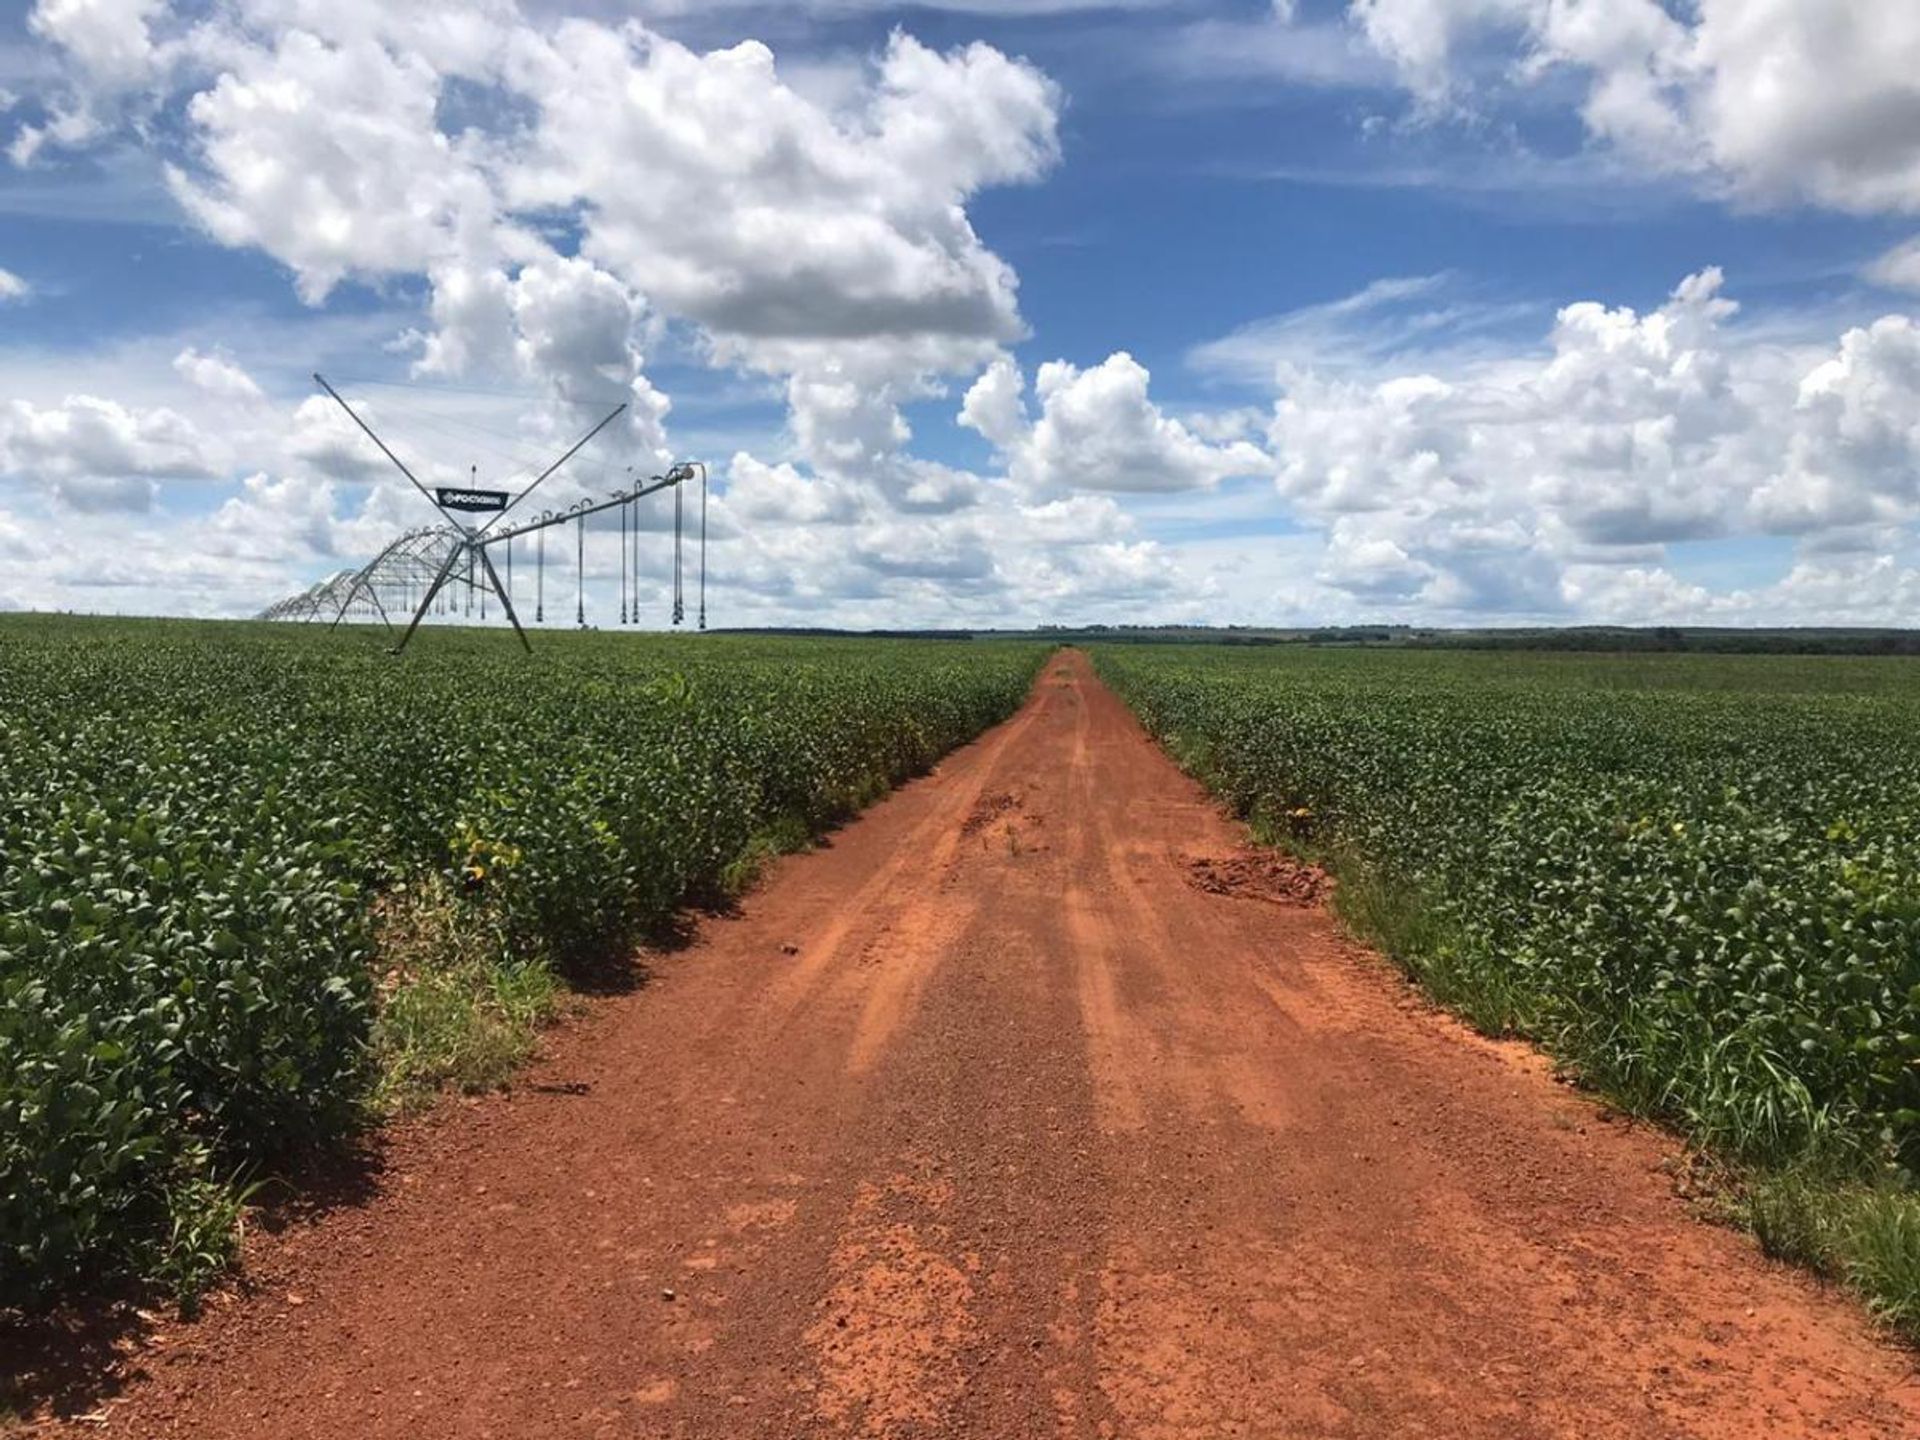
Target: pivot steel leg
446	569
505	599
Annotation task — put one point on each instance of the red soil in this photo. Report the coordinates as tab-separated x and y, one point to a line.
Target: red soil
992	1118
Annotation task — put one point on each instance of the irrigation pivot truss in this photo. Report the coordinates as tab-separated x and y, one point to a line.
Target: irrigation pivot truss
434	569
400	573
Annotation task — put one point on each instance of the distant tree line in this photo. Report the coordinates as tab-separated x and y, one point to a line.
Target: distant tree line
1703	640
1678	639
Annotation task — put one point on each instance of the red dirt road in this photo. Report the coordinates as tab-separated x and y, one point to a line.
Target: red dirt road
1002	1117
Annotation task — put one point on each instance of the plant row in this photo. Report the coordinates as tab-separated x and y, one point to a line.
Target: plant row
1698	878
200	826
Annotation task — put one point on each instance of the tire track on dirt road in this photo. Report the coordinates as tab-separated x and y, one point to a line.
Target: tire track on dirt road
986	1119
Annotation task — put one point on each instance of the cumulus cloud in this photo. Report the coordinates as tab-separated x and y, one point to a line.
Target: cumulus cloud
819	238
18	541
568	197
782	227
781	495
1551	484
12	287
899	546
110	51
88	438
843	426
323	438
994	407
572	191
1097	430
110	41
276	520
768	219
105	494
216	375
376	190
1077	520
1775	100
1853	456
1866	590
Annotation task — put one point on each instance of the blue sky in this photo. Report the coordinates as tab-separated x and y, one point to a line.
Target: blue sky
993	311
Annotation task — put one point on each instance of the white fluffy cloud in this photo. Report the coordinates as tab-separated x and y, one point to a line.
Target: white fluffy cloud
789	232
1777	100
564	199
764	216
1097	430
798	545
12	287
87	438
376	190
576	193
781	495
276	520
108	40
322	438
109	47
573	192
1853	456
570	189
216	374
1554	484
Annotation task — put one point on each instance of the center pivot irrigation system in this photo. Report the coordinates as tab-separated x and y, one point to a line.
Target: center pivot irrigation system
424	563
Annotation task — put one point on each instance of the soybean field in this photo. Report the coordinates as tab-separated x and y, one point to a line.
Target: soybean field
1697	879
1038	1096
253	879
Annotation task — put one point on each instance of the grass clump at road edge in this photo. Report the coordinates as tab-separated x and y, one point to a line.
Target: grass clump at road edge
1391	915
1880	1254
1406	927
459	1008
455	1009
1865	1234
786	836
203	1235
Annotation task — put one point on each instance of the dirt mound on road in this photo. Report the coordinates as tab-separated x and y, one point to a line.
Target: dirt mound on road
1260	875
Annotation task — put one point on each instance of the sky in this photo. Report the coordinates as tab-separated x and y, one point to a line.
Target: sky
979	312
